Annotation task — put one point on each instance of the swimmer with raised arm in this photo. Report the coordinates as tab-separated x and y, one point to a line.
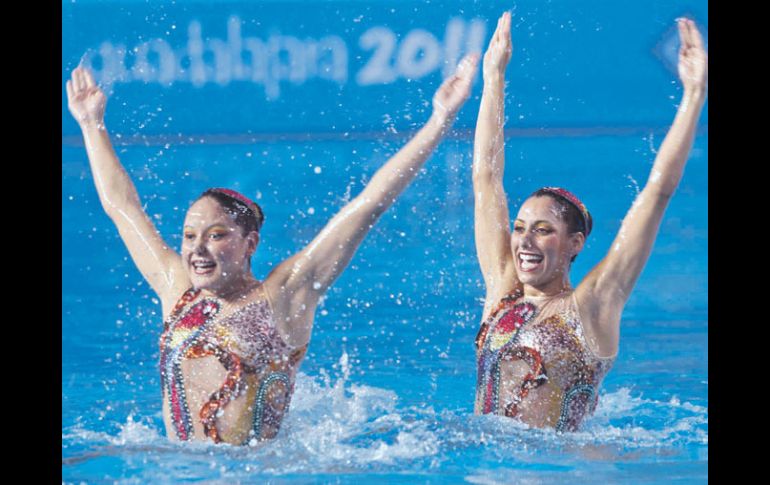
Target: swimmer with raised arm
544	347
231	344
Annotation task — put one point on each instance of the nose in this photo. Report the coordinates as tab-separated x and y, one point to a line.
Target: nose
199	248
525	240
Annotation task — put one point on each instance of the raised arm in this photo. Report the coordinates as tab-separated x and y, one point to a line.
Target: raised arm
606	288
160	265
297	283
491	219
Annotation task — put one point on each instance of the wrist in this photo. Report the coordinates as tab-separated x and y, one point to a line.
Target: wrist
91	124
494	79
695	92
441	119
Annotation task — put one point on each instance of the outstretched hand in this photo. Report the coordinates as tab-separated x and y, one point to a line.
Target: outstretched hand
85	100
499	51
454	91
693	60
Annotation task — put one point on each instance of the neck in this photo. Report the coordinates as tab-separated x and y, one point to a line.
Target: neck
553	288
237	288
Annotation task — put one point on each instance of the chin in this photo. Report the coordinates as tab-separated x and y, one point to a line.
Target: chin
535	280
205	283
530	282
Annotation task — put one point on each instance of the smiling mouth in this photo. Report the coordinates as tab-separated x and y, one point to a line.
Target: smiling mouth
529	262
203	267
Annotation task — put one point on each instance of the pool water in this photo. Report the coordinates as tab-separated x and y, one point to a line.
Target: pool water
386	392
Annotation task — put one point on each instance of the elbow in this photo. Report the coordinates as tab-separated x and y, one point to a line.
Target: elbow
662	193
110	208
117	206
482	176
369	209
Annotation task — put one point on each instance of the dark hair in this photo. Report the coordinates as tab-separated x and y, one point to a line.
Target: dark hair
247	218
568	213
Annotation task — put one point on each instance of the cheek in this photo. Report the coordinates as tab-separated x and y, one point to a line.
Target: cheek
550	245
230	250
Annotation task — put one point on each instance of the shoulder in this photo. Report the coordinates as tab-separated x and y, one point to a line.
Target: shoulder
292	308
290	287
174	302
500	299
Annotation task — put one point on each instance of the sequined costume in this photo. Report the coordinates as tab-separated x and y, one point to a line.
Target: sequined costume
534	363
248	346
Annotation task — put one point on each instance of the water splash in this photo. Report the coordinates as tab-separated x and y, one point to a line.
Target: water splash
338	426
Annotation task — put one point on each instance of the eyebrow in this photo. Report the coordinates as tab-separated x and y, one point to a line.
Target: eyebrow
534	223
186	226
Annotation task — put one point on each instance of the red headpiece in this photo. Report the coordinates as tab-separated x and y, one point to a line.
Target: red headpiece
572	199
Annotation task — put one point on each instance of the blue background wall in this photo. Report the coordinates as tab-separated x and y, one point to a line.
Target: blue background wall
354	66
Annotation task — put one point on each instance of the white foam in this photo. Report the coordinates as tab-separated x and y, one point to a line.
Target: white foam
337	426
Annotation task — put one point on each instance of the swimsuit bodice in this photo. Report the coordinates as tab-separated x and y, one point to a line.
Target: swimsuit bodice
258	362
534	363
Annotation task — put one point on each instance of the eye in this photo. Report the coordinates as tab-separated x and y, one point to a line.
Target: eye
518	228
189	236
216	236
542	230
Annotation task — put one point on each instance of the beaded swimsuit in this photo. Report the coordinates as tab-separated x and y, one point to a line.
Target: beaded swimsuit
245	343
546	334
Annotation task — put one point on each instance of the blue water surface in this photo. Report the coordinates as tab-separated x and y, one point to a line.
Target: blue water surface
386	391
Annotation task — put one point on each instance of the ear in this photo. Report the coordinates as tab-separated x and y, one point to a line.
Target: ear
253	241
577	241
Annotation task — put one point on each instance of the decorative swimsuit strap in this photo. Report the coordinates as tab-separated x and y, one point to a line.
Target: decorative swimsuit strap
261	410
188	296
232	387
195	319
505	302
517	315
230	390
536	377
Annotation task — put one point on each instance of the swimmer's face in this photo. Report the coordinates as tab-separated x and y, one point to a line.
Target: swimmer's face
541	244
214	250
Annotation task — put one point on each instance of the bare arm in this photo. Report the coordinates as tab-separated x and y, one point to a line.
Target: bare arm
607	287
160	265
297	283
491	218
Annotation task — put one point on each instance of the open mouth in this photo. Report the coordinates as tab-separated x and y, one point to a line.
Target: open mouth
202	267
529	261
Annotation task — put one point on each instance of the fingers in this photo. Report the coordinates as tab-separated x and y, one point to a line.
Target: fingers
77	80
82	80
449	83
467	67
503	29
70	91
695	37
88	78
71	84
684	33
689	35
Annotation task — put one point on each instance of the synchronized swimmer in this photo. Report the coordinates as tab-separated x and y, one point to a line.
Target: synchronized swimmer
231	344
544	347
